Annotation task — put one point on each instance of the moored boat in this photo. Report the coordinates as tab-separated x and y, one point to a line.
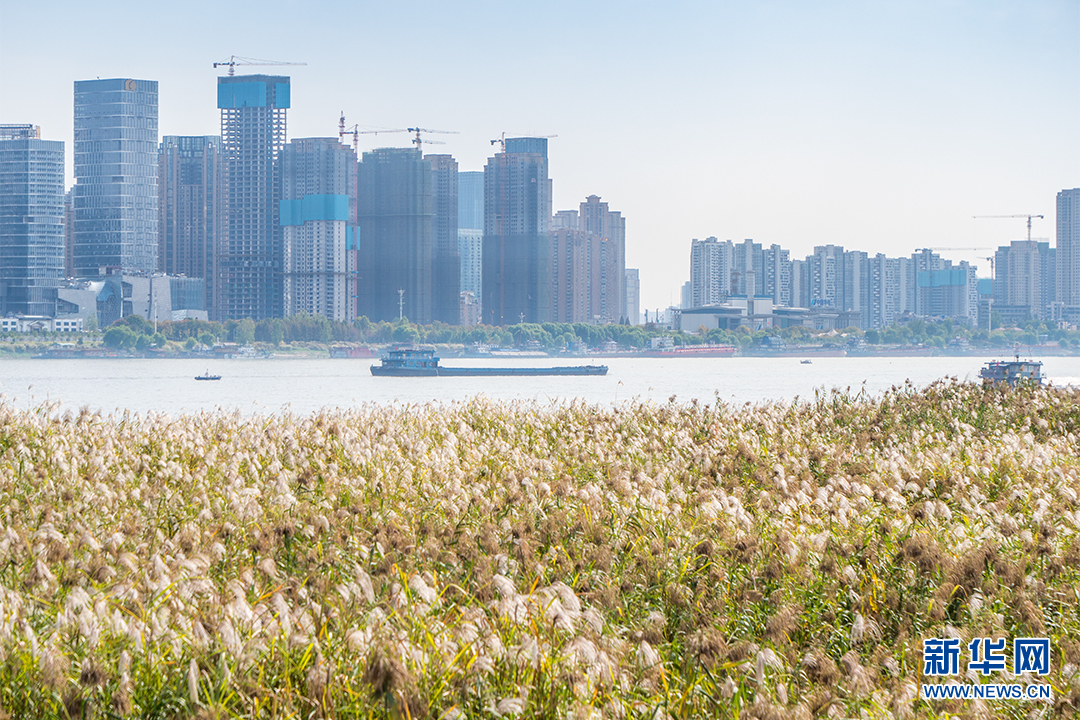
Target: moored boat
1012	372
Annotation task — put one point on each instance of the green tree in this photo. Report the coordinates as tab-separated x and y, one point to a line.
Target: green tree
406	333
120	337
245	331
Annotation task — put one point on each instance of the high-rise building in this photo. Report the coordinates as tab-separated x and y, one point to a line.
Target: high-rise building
314	214
116	176
517	251
711	265
633	296
947	292
827	277
471	200
887	291
397	237
31	221
574	275
69	233
776	275
800	283
190	185
748	269
251	258
1067	254
923	261
471	234
610	228
1024	279
856	296
446	260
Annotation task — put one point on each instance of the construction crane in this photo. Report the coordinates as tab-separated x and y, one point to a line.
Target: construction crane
959	249
502	139
418	141
235	60
356	132
970	249
1013	216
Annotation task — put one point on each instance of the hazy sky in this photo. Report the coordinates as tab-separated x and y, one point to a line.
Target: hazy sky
881	126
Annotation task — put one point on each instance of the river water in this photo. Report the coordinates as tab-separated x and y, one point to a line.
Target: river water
269	386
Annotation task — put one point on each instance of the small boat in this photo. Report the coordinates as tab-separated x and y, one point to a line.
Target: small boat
1012	372
806	362
207	376
416	362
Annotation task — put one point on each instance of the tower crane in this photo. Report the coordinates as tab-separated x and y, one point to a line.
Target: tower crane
972	249
418	141
1013	216
356	132
235	60
502	139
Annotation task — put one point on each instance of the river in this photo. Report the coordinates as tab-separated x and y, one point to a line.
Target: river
269	386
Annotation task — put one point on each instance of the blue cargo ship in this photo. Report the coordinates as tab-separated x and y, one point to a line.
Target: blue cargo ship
415	362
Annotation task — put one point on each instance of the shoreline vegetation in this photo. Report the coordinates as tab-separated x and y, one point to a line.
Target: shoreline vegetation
316	336
514	560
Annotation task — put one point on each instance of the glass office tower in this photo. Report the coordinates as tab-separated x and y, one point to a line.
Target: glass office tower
116	176
31	221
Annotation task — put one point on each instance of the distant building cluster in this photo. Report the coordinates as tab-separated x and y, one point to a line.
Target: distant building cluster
744	283
252	224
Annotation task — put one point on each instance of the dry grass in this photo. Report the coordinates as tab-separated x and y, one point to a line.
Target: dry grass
499	559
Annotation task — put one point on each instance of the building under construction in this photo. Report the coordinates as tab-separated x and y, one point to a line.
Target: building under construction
396	230
190	178
251	257
517	248
317	174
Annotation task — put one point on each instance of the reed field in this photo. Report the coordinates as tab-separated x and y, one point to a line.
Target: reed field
518	560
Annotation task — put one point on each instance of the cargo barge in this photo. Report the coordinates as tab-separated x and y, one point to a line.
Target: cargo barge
414	362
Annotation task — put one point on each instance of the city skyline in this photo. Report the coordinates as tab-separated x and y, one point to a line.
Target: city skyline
883	128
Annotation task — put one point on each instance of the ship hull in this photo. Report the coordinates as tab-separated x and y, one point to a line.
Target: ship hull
487	372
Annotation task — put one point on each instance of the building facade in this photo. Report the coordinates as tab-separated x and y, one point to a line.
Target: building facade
1067	248
1024	282
471	240
314	215
610	228
396	235
31	221
711	266
251	257
116	176
633	296
516	252
191	189
446	260
776	275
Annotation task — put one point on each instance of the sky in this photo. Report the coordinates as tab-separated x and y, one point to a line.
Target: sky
879	126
